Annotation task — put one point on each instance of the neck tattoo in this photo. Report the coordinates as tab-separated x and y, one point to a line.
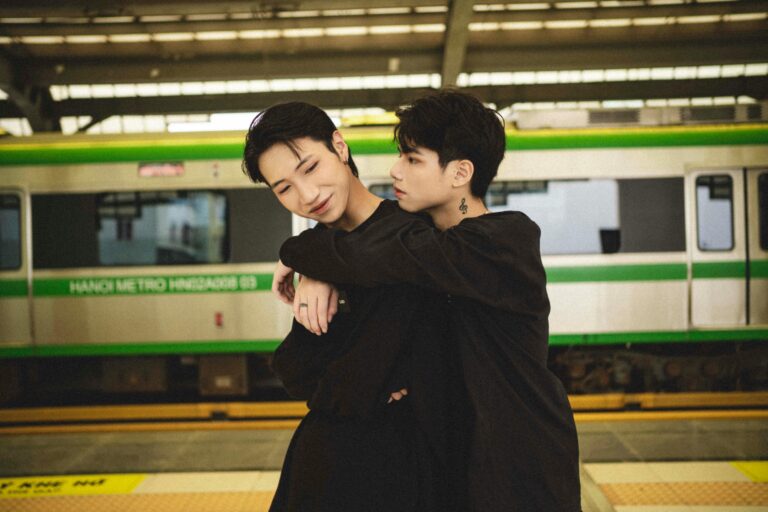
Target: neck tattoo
463	206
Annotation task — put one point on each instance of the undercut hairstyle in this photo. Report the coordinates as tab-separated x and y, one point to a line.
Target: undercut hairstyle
457	126
284	123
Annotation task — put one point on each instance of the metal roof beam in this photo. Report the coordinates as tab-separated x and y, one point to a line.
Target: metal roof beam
714	51
599	38
456	36
755	87
544	15
32	101
90	8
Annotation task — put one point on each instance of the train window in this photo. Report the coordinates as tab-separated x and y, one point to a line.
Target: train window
129	228
714	212
10	232
599	216
258	225
575	216
762	194
383	190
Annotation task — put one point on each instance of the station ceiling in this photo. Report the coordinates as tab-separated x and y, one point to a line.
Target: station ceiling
50	43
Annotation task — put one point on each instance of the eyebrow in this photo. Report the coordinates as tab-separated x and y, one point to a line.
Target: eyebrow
301	162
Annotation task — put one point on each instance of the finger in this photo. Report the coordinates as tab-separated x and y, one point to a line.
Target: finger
303	316
312	314
322	313
333	304
404	392
396	395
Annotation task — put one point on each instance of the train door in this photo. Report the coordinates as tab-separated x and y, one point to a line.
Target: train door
718	249
14	270
757	226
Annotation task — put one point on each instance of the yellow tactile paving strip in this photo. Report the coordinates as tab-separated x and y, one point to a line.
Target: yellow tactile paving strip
168	502
687	493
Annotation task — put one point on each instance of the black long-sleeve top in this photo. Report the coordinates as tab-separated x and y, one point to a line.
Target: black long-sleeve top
523	452
354	451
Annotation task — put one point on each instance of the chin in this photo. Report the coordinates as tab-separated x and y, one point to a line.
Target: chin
408	206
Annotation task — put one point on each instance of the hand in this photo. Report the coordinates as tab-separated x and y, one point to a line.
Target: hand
397	395
282	283
314	305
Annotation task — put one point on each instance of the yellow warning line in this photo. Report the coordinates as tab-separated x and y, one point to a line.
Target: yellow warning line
290	424
175	426
740	414
607	405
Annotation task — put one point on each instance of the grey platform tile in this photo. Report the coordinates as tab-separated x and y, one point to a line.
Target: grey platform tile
662	446
26	461
604	447
749	445
734	426
622	427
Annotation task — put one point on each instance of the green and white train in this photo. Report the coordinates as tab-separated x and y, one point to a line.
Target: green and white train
143	263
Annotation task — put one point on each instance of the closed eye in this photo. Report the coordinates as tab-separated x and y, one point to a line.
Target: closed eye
283	190
311	168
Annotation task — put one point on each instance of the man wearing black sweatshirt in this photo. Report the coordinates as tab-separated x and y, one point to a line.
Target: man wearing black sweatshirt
523	450
357	450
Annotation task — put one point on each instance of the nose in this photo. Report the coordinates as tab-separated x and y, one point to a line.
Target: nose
308	193
395	172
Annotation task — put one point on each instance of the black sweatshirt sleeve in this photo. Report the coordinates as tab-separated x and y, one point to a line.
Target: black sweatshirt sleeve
301	360
402	248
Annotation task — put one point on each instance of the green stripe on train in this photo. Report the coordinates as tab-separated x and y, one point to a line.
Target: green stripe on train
268	346
144	348
147	285
649	272
13	287
695	336
232	147
230	283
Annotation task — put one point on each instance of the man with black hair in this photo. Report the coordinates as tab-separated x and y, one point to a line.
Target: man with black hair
358	449
523	451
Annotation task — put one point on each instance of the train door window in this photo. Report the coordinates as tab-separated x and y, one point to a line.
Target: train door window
714	212
10	232
762	195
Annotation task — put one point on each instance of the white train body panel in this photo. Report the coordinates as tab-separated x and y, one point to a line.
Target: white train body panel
677	303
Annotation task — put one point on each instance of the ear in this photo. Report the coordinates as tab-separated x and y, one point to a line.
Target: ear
341	147
462	173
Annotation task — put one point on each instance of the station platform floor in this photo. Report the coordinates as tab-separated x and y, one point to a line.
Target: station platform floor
697	465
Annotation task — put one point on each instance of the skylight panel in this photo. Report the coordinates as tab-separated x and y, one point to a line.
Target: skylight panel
129	38
346	31
41	39
618	22
390	29
432	9
698	19
224	35
259	34
298	14
85	39
302	32
377	11
561	24
432	27
160	18
752	16
173	36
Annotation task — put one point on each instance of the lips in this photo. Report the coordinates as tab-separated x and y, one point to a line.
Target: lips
398	193
322	207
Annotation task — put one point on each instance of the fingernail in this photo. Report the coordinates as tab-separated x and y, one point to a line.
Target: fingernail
390	400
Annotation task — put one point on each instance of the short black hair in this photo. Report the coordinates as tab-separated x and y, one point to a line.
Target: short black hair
456	126
283	124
